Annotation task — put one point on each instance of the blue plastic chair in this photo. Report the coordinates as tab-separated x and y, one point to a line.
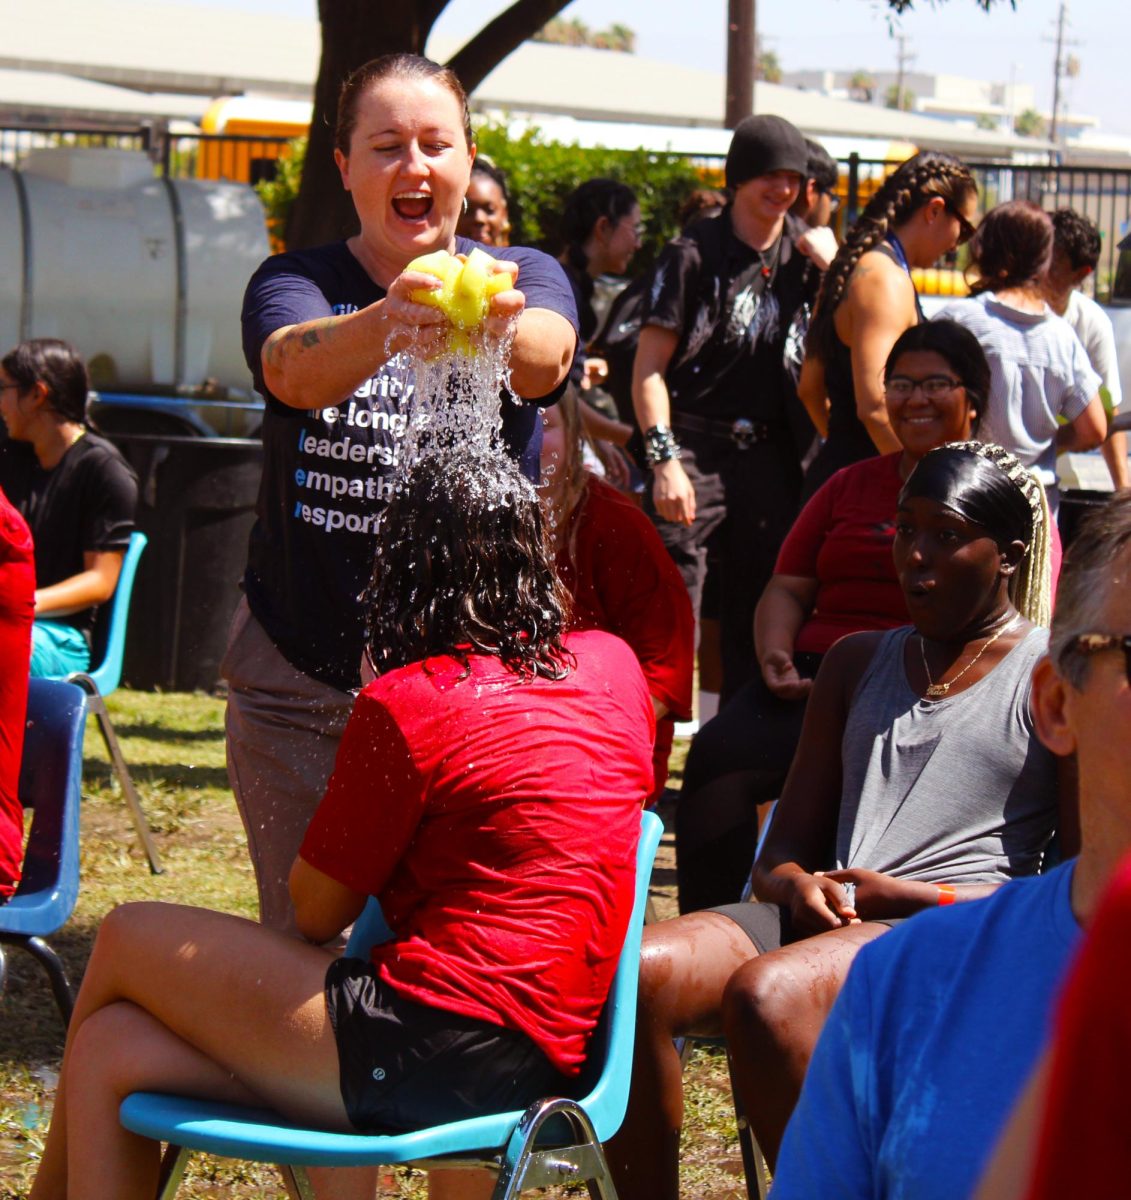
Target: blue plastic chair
555	1141
102	680
50	785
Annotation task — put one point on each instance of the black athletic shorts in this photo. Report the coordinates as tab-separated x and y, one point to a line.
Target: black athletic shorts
770	926
404	1065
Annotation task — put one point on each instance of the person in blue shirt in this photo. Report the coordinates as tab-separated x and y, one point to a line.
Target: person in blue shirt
940	1024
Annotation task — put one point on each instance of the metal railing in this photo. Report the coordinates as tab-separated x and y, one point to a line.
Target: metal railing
1101	193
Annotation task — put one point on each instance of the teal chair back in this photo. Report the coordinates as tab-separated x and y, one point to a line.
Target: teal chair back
507	1140
112	622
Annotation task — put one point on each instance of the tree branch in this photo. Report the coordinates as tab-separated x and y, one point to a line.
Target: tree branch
513	26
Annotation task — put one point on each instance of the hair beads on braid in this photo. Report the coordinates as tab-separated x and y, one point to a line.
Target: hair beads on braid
908	188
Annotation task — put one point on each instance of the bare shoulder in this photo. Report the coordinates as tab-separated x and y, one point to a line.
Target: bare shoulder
878	276
847	659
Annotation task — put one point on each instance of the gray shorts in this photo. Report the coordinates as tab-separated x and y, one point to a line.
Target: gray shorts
770	926
283	728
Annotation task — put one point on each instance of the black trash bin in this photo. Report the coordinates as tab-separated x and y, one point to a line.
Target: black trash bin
196	506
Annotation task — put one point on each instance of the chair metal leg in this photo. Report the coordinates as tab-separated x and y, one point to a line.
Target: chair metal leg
129	793
753	1161
525	1166
51	963
296	1181
173	1163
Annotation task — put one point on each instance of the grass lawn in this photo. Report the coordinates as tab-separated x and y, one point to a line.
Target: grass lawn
175	746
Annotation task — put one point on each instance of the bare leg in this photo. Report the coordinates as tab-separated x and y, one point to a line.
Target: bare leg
684	967
472	1184
773	1011
221	1007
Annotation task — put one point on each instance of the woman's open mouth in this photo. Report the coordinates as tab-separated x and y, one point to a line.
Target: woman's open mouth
412	206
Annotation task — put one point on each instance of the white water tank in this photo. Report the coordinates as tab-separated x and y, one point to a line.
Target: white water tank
145	276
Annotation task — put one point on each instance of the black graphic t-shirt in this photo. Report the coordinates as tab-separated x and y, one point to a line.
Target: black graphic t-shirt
328	472
86	502
732	308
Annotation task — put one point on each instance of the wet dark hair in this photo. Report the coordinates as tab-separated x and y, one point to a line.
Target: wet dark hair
905	191
1077	236
959	347
400	66
990	487
1011	247
821	168
584	207
463	566
59	367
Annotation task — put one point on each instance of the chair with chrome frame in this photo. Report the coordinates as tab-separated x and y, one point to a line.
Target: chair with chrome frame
51	786
557	1140
102	680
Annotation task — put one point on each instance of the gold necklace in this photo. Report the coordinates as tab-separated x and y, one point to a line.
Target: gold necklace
936	691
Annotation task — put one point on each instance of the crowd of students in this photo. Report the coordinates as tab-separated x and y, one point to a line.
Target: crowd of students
883	585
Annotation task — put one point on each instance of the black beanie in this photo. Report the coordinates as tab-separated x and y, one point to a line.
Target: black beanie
763	144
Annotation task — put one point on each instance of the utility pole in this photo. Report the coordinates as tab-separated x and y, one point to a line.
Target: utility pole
740	61
1059	67
902	59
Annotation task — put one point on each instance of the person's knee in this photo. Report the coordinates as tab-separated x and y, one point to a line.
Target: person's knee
100	1051
760	1001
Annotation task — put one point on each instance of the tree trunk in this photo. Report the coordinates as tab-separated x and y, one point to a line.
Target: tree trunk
513	26
353	32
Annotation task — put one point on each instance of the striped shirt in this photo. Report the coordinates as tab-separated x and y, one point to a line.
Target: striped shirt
1039	372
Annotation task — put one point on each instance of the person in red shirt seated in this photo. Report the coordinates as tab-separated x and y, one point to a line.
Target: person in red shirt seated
618	573
17	611
487	791
834	576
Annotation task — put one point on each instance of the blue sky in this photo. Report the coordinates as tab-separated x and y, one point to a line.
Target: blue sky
951	36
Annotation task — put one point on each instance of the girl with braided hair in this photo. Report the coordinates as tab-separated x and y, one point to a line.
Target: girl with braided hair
923	210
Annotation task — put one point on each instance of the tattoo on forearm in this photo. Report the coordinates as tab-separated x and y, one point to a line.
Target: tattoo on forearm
310	338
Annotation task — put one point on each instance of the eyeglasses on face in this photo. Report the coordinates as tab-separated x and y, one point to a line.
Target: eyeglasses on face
1087	644
934	387
833	198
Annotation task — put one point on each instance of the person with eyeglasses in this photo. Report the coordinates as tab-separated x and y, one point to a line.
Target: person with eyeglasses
600	230
834	576
1040	371
917	784
940	1024
74	489
920	213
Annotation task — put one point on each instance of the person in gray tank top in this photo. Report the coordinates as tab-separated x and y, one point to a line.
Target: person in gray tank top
917	782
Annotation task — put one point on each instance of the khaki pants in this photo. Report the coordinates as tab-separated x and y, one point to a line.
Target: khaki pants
283	729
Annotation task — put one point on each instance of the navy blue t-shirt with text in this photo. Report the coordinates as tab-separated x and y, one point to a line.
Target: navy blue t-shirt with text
328	472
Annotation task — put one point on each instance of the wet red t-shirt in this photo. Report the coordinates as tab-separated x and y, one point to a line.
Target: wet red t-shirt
496	820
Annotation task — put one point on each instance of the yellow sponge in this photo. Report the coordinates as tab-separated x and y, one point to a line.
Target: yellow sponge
466	287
